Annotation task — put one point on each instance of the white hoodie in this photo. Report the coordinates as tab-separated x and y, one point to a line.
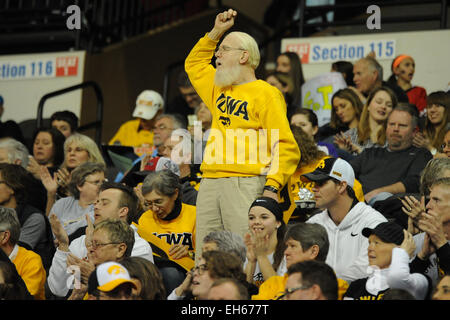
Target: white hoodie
60	280
347	254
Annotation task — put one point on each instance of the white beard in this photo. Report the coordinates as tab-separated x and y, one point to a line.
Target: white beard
225	77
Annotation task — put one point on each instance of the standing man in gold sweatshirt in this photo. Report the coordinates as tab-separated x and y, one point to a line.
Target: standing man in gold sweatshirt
250	150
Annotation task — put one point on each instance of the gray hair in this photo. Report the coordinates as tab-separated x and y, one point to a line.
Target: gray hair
164	182
229	242
309	234
9	221
177	120
375	65
16	151
80	173
434	170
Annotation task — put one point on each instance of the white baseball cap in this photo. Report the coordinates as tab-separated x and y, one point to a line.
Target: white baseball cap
147	104
336	168
109	275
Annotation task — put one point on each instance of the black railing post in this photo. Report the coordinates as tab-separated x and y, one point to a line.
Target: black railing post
301	18
98	124
443	14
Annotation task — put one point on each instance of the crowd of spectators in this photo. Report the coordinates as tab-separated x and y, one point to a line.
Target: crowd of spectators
358	208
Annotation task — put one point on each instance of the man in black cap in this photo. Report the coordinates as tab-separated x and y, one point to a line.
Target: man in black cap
343	217
389	251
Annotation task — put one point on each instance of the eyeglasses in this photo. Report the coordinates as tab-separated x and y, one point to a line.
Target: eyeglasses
290	291
96	245
224	48
158	204
200	269
162	127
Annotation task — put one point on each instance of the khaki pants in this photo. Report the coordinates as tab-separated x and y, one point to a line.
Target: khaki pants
223	203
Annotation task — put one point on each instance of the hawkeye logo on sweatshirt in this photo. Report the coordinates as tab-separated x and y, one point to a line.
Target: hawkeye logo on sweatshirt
230	106
184	238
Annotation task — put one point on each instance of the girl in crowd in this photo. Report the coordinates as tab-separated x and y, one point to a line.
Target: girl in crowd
285	84
289	62
445	148
346	68
65	121
371	129
48	150
403	67
212	265
264	241
345	114
438	116
307	120
84	188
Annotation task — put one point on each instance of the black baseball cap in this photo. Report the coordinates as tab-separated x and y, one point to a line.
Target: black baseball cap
389	232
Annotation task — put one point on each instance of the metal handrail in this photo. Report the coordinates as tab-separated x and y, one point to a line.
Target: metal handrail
99	114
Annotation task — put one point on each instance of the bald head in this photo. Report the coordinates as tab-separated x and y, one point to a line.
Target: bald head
248	43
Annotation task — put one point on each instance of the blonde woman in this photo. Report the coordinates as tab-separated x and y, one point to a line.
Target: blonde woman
78	149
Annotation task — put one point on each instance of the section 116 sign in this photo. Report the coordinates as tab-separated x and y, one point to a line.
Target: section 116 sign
20	69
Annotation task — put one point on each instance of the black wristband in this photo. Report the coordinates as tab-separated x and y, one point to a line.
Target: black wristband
270	188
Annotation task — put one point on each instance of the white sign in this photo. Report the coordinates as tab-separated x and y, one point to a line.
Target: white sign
317	94
26	78
346	50
38	68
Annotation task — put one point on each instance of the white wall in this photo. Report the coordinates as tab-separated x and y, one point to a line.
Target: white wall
22	92
430	50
